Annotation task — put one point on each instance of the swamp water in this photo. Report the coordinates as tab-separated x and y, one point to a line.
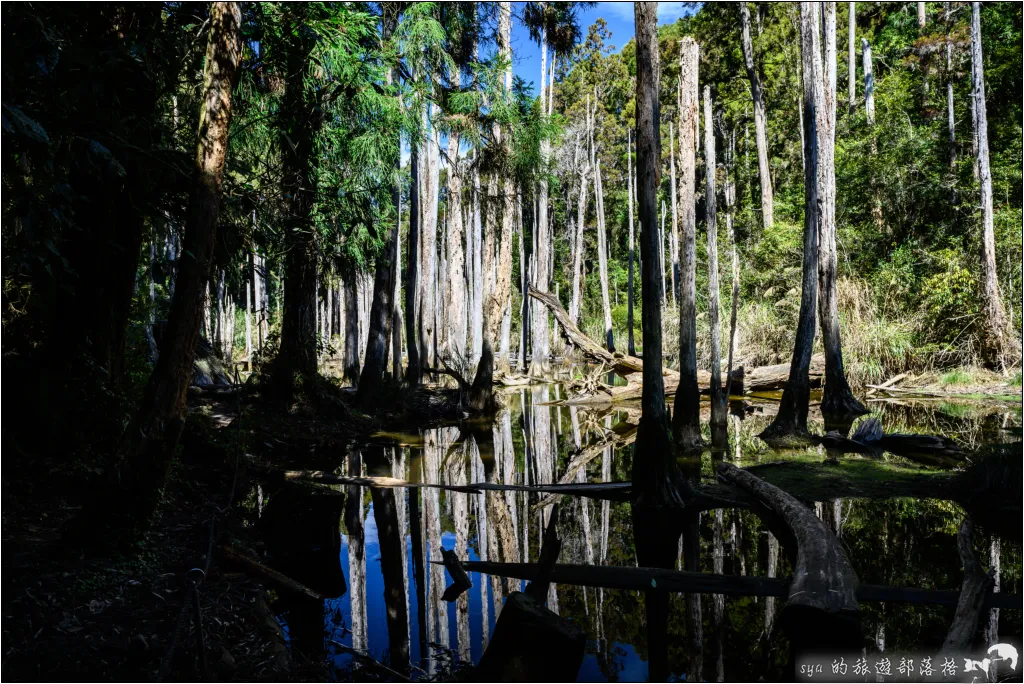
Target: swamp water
384	575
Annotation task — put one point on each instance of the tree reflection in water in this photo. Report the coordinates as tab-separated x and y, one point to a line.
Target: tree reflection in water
393	610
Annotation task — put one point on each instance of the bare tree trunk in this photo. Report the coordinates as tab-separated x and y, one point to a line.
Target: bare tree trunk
656	478
950	114
577	258
539	364
997	339
151	440
455	305
350	359
476	315
760	121
869	82
428	242
412	271
630	296
837	398
792	416
686	421
851	74
602	258
674	245
718	402
730	200
396	292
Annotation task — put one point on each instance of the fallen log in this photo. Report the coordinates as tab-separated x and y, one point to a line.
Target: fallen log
976	585
761	379
821	608
282	581
460	580
586	455
871	439
682	582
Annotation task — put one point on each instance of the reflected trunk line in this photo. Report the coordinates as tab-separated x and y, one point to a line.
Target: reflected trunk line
769	602
460	518
355	515
388	533
416	526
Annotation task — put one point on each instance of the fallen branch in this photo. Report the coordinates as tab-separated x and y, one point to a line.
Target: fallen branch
586	455
282	581
682	582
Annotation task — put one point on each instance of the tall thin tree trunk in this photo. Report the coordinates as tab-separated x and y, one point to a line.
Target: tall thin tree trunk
539	361
760	121
476	315
428	240
686	420
837	399
792	416
577	266
145	456
851	74
999	346
869	81
630	298
412	271
718	412
674	245
602	258
730	201
350	359
454	275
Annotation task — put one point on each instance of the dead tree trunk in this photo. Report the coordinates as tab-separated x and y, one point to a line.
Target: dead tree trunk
674	243
686	422
656	478
602	257
869	82
760	120
718	402
792	416
153	437
851	74
629	282
997	338
837	399
730	200
412	271
577	272
539	363
453	333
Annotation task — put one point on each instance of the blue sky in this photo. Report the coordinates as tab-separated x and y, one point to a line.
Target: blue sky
619	15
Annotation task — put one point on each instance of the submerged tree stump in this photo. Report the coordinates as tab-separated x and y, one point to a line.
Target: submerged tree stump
821	608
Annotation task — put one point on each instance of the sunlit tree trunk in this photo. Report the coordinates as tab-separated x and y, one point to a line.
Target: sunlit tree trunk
686	421
630	298
730	201
792	416
837	398
997	339
851	74
674	243
760	120
539	362
412	271
869	81
718	413
428	240
153	436
454	331
578	244
602	257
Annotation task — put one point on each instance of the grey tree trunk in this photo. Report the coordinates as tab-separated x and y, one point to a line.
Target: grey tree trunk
350	359
718	401
686	420
539	363
454	332
998	342
248	323
524	281
950	113
792	416
476	315
837	399
760	121
674	244
629	285
730	202
412	272
869	82
851	74
396	292
577	258
428	243
602	258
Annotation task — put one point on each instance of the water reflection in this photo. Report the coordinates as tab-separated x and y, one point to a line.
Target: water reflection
390	604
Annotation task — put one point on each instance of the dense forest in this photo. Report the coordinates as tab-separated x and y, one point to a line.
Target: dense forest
274	240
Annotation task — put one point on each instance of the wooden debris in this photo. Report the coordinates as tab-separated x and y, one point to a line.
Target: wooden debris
282	581
460	580
976	585
584	456
678	581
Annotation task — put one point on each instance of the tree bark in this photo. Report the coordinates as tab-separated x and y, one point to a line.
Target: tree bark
718	401
428	239
674	244
656	478
760	121
153	436
630	297
837	399
792	416
454	332
998	341
350	360
869	82
412	271
602	258
539	363
686	421
851	74
577	265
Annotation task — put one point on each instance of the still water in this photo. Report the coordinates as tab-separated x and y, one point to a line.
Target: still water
389	604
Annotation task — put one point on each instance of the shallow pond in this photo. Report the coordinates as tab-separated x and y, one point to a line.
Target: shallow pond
390	604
